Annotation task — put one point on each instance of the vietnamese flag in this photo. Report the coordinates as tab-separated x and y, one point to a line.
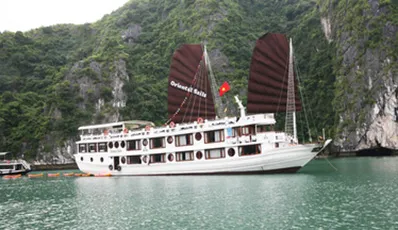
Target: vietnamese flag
224	88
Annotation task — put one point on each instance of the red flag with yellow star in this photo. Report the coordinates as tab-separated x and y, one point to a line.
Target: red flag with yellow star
224	88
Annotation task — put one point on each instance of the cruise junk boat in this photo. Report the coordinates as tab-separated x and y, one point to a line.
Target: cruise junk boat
194	140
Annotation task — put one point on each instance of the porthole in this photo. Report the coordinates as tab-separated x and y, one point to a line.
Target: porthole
198	136
199	155
116	144
91	159
102	159
231	152
123	160
170	157
81	158
110	145
170	139
145	142
122	144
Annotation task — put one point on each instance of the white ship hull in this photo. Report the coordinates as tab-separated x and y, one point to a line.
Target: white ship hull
282	160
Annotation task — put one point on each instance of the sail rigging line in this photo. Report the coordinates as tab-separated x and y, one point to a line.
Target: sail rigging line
198	73
290	122
200	99
198	80
283	82
303	103
188	94
213	84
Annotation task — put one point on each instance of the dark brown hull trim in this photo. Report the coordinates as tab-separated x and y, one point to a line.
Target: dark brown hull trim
274	171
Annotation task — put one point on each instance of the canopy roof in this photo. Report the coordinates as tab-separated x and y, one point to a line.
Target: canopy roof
115	124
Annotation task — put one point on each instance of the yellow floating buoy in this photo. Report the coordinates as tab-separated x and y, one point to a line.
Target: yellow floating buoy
35	175
12	176
53	174
68	174
103	175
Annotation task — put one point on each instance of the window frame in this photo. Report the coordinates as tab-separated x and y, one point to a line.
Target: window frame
221	136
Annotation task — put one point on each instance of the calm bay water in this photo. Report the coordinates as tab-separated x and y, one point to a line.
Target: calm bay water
362	194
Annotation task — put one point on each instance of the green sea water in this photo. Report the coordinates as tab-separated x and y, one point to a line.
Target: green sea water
361	194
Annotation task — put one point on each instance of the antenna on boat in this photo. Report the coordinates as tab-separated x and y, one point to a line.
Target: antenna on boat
290	122
217	99
241	107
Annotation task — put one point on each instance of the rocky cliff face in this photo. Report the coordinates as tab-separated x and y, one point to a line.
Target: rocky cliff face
367	73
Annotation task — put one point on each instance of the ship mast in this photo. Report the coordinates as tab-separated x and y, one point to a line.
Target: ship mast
217	99
290	122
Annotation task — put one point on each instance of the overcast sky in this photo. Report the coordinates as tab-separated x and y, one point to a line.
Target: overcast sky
23	15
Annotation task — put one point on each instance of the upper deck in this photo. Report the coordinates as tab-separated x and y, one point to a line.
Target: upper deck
140	129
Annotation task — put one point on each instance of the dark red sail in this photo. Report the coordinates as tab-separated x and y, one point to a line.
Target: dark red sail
267	91
189	92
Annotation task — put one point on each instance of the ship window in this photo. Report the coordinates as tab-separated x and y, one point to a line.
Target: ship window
183	140
214	136
198	136
92	148
102	147
247	130
157	143
231	152
158	158
249	150
133	145
18	167
184	156
82	148
215	153
6	166
133	160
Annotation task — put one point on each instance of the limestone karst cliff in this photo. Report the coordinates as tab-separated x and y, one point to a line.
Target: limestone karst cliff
55	79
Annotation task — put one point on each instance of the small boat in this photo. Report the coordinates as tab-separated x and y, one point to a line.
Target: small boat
68	174
12	167
15	176
53	174
78	174
35	175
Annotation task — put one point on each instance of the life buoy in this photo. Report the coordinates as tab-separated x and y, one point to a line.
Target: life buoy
147	128
110	167
125	130
145	159
172	125
200	120
106	132
119	168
